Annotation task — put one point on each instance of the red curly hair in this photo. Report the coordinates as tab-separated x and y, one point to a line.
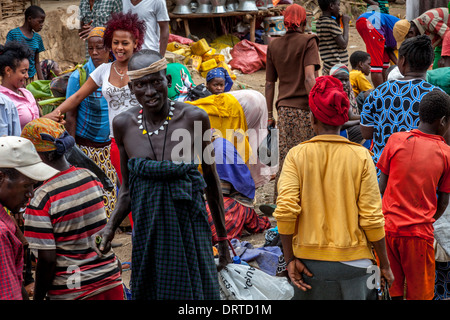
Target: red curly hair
127	22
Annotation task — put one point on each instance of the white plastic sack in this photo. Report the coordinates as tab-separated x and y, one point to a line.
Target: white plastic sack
226	52
243	282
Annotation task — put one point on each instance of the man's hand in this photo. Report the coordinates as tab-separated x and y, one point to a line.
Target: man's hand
345	19
85	30
224	254
101	241
386	276
295	269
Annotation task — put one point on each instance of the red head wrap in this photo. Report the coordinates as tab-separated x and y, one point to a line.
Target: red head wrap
328	101
294	16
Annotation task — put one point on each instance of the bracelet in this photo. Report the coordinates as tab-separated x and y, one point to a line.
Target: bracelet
290	260
222	238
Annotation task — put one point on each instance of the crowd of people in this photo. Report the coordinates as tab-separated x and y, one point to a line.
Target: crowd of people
360	177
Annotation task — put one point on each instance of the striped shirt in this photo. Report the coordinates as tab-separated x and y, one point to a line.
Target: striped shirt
330	52
35	44
65	211
434	23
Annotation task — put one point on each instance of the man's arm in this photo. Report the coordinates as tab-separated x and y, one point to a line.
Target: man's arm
45	272
295	267
286	214
385	267
164	36
366	132
123	204
85	29
442	204
213	192
38	67
342	39
371	218
383	182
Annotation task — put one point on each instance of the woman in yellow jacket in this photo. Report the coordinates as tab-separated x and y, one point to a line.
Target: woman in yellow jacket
329	208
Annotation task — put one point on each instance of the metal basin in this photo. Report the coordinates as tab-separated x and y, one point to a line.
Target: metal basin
204	6
231	5
247	5
182	7
218	6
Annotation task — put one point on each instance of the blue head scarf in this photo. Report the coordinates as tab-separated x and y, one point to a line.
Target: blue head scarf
220	73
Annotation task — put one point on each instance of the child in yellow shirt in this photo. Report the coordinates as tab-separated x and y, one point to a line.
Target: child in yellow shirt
360	62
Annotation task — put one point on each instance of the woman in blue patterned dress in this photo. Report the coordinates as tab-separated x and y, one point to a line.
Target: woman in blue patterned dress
394	105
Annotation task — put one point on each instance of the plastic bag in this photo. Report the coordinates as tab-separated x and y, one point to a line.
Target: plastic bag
248	57
224	41
179	39
243	282
198	92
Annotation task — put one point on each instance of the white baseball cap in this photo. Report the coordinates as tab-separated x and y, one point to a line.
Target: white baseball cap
20	154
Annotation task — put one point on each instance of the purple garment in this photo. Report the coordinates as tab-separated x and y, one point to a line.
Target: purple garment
231	168
268	258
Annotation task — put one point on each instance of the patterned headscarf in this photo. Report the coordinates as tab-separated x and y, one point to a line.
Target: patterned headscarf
294	16
48	135
328	101
342	68
97	32
338	68
220	73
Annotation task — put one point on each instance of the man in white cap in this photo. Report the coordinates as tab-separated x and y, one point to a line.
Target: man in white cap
20	169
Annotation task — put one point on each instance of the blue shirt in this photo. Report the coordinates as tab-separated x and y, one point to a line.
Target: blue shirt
9	118
35	44
92	117
392	107
384	23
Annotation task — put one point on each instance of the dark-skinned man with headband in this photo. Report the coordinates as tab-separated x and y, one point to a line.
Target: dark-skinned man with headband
172	254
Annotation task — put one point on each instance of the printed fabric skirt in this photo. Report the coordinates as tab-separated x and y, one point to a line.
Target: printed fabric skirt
294	127
442	282
101	157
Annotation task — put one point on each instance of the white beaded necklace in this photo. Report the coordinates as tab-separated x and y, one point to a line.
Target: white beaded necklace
166	121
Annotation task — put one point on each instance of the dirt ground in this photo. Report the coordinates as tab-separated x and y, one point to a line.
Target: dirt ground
63	45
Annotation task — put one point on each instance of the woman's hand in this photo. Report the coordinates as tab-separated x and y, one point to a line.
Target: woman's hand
295	269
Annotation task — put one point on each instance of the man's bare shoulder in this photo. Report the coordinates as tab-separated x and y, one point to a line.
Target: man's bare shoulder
124	119
193	112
